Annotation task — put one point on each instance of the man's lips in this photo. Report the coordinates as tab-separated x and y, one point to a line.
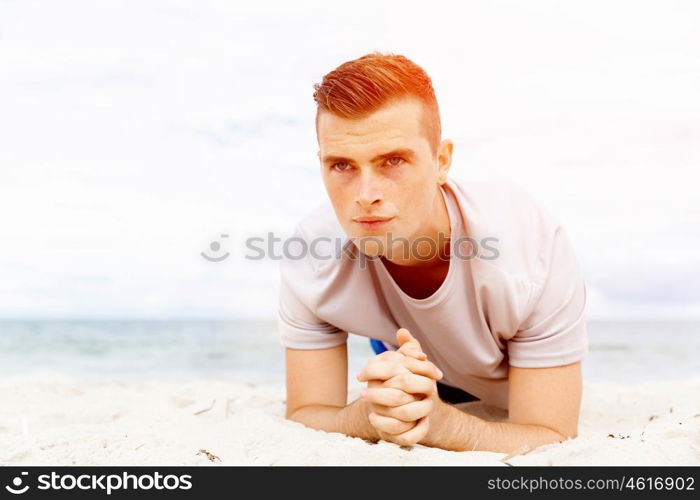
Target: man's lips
372	222
371	218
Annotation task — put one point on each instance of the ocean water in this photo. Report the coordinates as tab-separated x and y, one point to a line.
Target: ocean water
249	351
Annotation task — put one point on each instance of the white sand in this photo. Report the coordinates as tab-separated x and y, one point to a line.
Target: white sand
59	420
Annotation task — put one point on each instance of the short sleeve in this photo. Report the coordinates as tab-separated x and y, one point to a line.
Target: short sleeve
554	330
298	326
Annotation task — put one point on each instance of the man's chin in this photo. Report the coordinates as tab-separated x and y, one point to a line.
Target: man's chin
371	246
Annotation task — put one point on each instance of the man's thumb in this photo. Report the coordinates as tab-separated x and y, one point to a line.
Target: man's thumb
403	336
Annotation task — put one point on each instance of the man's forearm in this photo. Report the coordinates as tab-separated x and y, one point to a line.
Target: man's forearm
350	420
459	431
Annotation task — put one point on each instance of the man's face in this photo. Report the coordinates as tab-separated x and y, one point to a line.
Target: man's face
382	166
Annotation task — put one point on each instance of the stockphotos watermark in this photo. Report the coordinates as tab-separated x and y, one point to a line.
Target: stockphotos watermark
101	482
423	248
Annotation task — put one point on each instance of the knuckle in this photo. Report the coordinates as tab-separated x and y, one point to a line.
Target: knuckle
373	384
394	425
392	399
382	357
389	427
396	364
400	426
401	398
374	395
407	398
406	441
401	413
401	441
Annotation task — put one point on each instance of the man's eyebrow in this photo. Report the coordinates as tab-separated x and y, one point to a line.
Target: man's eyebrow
407	152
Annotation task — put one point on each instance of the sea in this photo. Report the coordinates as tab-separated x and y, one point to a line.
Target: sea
249	351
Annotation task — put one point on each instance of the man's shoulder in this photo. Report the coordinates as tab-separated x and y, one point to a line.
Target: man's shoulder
496	198
505	216
502	205
319	222
317	242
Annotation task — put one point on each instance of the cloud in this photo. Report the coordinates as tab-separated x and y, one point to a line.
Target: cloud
135	135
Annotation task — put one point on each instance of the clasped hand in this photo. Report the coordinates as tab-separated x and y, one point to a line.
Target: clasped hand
401	391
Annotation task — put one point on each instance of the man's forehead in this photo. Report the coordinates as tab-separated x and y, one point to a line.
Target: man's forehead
403	116
340	137
369	147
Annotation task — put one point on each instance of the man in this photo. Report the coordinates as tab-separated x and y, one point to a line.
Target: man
473	287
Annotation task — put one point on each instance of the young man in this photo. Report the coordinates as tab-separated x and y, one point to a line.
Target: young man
474	285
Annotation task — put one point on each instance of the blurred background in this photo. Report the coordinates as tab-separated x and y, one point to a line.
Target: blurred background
136	135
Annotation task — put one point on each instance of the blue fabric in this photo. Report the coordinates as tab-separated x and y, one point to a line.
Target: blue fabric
378	346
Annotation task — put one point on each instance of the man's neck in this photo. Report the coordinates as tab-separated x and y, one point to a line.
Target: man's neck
420	278
426	254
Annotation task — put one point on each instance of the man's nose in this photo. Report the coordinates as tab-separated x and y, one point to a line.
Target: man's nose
368	192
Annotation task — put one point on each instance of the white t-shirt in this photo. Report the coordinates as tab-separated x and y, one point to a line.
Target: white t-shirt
520	302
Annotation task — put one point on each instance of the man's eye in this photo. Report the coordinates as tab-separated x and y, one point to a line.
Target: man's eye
340	167
395	161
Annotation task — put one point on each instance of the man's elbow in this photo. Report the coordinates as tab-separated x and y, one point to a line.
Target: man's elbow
570	431
296	413
560	435
292	411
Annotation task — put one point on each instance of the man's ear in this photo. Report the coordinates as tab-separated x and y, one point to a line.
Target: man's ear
444	156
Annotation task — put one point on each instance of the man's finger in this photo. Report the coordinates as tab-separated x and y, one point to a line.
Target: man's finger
412	383
385	371
381	370
411	349
414	435
403	336
409	412
388	396
388	424
425	368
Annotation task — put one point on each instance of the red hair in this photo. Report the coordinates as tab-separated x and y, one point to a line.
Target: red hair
359	87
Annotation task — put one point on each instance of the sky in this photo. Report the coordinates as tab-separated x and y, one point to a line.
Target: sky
135	134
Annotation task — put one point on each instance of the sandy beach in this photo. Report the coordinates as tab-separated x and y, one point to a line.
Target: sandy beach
48	419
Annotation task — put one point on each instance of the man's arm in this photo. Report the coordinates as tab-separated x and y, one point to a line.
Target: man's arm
317	392
544	406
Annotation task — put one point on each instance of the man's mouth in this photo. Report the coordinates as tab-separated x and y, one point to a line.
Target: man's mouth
372	222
